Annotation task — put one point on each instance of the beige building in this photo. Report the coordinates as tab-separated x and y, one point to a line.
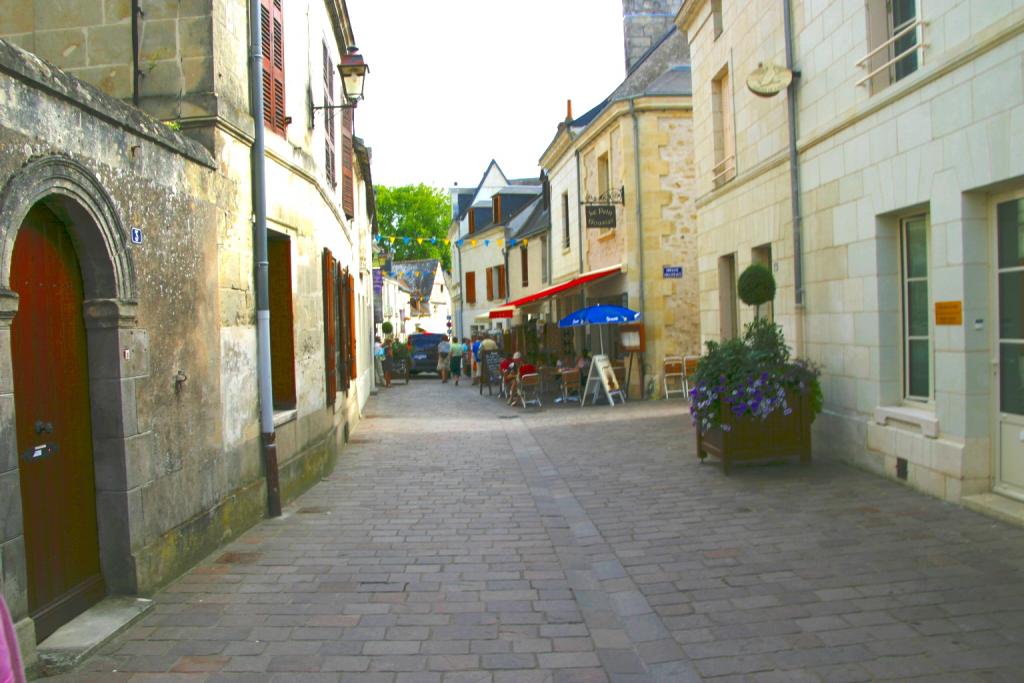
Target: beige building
636	163
904	283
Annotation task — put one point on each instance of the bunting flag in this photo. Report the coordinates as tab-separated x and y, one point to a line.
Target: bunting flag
487	243
472	243
419	240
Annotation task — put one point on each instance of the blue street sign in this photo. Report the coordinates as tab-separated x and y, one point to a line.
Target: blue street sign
671	271
136	235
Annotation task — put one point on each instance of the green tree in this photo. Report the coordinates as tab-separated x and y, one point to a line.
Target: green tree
409	213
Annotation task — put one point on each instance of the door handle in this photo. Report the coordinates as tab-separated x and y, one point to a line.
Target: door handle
44	427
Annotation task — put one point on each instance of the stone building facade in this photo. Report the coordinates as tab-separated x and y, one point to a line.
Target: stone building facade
157	219
637	153
644	22
909	186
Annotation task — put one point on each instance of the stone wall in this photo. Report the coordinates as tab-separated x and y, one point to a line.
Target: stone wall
92	40
644	22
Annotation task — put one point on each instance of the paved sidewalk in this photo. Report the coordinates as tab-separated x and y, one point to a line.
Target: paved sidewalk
461	541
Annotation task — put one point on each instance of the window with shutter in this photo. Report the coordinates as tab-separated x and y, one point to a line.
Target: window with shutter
496	208
330	152
330	326
282	340
352	369
490	284
471	287
501	282
524	259
341	344
272	38
472	221
347	192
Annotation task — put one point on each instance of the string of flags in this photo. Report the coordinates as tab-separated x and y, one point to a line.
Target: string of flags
472	243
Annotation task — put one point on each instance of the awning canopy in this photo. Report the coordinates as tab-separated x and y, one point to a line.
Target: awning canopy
575	282
501	312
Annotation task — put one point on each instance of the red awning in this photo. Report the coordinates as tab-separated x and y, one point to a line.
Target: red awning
575	282
502	312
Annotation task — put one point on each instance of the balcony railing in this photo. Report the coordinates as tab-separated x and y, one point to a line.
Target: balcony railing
904	30
723	171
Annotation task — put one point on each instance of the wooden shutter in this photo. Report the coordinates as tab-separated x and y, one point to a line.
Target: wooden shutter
330	152
472	221
352	369
490	284
330	327
470	287
272	38
347	191
343	330
501	282
282	331
525	265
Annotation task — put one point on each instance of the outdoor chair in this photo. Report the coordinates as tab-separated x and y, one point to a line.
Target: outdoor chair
672	369
571	384
689	369
528	389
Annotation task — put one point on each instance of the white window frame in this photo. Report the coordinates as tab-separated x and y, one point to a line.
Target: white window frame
905	337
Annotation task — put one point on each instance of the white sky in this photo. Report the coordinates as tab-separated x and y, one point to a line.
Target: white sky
455	83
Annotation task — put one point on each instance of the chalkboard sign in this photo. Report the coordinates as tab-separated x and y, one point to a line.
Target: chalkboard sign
490	369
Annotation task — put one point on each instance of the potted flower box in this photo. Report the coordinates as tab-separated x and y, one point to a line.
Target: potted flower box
750	401
740	438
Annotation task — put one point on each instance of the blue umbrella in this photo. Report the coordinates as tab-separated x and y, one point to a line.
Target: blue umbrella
599	315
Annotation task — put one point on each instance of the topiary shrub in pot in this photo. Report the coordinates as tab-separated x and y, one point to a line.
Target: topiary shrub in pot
756	286
749	400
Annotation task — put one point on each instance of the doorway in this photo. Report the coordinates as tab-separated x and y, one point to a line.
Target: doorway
1009	384
53	425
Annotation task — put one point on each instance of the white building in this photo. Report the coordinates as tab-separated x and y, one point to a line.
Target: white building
907	283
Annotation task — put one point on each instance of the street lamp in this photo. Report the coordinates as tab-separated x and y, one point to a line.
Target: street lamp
353	77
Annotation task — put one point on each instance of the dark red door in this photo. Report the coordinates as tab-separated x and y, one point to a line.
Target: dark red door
51	399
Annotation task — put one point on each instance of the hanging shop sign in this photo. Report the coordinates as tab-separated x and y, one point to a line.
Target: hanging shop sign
600	215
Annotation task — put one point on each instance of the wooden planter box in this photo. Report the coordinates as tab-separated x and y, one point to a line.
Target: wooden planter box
751	438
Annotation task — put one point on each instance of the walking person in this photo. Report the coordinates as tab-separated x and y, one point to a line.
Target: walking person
443	350
467	364
387	361
378	362
455	352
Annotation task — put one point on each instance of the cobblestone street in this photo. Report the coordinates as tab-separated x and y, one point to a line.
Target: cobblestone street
461	541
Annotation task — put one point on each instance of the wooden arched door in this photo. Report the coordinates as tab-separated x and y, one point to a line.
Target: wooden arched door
54	429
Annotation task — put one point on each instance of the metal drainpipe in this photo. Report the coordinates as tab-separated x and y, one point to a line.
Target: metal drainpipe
136	75
462	289
262	264
639	232
794	168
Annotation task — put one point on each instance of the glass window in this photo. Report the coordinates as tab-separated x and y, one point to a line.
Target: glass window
917	343
1010	240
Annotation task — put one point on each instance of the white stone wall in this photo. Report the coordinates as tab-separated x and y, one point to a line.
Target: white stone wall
562	178
943	141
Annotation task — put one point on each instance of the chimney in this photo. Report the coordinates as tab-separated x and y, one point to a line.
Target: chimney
644	22
568	110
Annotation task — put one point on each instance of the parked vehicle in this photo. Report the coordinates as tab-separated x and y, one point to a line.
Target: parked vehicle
424	352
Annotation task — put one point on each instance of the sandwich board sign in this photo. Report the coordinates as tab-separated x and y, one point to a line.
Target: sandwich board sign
602	376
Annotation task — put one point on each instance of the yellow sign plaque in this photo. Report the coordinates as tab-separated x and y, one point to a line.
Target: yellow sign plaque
949	313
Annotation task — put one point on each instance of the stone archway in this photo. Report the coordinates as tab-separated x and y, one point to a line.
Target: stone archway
93	222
